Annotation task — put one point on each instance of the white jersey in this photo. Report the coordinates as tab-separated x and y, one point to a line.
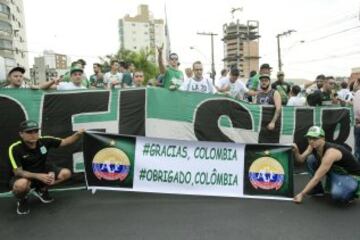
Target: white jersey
345	95
113	80
236	90
69	86
204	85
296	101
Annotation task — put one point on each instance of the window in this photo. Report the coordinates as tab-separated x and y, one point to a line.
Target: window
4	9
5	44
5	27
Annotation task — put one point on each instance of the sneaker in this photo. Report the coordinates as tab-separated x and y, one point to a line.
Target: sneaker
22	207
43	195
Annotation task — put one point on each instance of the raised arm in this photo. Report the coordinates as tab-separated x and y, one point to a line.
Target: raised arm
160	59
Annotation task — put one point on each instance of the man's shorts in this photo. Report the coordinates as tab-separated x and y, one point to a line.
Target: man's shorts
36	183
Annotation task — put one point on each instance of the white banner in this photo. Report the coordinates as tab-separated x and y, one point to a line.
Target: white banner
201	168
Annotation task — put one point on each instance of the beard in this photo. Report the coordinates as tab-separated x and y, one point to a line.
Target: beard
264	87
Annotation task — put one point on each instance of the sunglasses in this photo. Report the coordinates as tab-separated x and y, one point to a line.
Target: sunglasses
32	131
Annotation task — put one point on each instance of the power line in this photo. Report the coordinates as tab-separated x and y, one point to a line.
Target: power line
331	34
327	57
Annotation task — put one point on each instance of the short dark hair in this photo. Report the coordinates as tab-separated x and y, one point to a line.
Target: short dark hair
223	71
196	62
97	64
124	64
295	90
253	73
321	76
81	61
235	72
329	77
114	61
344	84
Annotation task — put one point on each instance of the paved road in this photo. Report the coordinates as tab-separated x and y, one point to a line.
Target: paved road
124	215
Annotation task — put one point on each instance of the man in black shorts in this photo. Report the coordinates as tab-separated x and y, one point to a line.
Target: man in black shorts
31	169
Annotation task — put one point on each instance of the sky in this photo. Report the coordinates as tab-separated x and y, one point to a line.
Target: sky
326	39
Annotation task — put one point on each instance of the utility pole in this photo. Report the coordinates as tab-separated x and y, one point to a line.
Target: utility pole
213	73
278	45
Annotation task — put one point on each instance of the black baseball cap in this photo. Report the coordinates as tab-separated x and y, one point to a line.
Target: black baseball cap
265	65
17	69
28	125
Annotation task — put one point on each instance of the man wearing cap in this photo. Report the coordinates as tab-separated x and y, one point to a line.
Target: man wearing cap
28	158
173	77
77	64
74	84
16	78
335	162
282	87
254	83
268	96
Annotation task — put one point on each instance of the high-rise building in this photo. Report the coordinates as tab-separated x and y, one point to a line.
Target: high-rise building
49	65
241	46
13	44
142	31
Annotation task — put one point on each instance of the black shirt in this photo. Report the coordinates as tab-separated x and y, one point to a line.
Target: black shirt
32	160
347	162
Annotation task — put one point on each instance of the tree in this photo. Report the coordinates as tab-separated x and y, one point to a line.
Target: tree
141	60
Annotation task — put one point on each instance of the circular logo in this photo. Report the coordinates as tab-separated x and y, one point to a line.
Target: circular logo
266	173
111	164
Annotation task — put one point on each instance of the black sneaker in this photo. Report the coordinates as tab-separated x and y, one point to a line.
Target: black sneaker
22	207
43	195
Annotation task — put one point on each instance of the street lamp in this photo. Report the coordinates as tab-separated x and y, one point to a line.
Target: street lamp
200	52
212	52
278	45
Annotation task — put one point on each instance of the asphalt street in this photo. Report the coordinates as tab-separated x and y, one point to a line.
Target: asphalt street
126	215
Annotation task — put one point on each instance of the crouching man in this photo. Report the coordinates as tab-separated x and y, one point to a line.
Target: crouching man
28	158
334	161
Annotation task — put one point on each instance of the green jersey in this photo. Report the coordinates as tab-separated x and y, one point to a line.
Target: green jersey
173	77
127	79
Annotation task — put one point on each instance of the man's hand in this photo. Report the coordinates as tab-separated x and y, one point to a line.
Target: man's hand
298	198
271	126
81	131
160	49
45	178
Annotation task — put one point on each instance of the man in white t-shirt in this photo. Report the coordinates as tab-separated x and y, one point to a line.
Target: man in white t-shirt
296	100
198	83
114	78
233	87
76	78
344	95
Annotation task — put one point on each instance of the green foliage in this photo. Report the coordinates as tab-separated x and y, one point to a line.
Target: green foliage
141	60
